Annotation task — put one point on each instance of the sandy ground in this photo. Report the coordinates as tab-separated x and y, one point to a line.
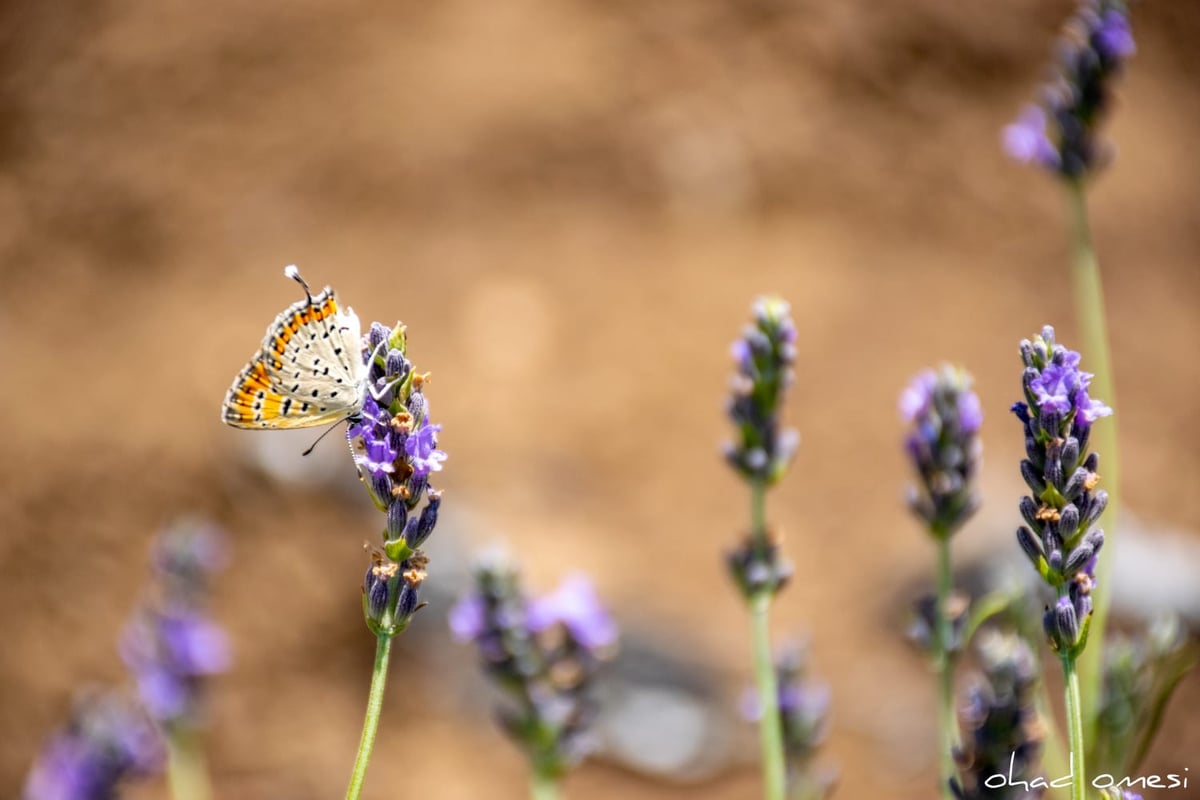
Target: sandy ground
571	205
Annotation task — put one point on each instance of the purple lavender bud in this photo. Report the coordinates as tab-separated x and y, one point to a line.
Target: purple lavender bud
397	366
1068	521
377	334
1075	484
1070	453
1095	508
1079	557
425	524
1030	545
1033	478
408	602
1029	511
376	587
397	517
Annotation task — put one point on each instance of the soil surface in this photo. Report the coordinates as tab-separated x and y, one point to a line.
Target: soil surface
571	204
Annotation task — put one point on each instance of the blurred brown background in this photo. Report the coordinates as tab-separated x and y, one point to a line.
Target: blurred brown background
571	204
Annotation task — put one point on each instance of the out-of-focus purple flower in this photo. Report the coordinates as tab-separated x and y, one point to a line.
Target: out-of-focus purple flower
763	357
804	715
762	448
421	447
107	741
468	618
943	444
1001	731
1062	135
1026	140
543	654
170	644
1113	38
576	605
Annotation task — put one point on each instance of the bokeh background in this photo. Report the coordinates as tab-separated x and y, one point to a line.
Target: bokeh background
572	205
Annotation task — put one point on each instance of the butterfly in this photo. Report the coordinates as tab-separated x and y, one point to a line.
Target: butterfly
309	371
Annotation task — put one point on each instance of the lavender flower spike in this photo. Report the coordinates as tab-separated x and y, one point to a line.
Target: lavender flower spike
544	654
763	357
108	740
1001	731
943	445
1061	134
804	715
762	449
170	645
395	447
1060	538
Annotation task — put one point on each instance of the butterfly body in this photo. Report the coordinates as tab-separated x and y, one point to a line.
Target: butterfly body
308	371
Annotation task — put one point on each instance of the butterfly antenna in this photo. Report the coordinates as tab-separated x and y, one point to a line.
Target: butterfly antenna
293	272
328	431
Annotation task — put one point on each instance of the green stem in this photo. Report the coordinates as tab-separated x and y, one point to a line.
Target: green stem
770	727
1089	309
383	647
945	666
187	772
542	786
1074	727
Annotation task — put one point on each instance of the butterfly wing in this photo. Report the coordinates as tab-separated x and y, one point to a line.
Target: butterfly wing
309	370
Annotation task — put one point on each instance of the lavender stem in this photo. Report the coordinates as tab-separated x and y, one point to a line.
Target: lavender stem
945	664
770	726
383	649
1074	726
542	786
187	772
1089	308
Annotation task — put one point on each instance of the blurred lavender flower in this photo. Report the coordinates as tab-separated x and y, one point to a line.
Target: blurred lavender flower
1001	732
943	445
923	629
764	357
544	654
170	645
1140	675
1061	133
1059	537
108	740
804	716
762	450
395	448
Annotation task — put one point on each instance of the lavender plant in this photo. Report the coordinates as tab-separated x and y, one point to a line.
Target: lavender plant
804	719
1140	675
944	448
760	454
1061	133
544	654
108	740
1002	734
395	449
1059	537
171	647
